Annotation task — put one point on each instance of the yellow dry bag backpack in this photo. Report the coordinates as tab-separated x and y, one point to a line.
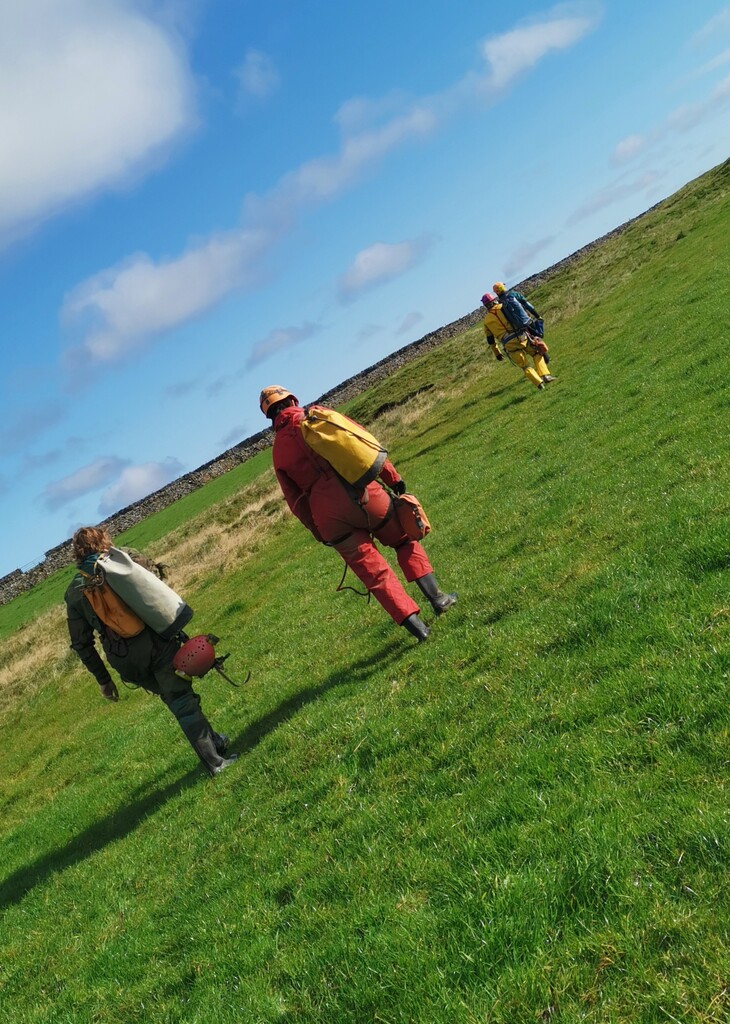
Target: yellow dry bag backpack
352	451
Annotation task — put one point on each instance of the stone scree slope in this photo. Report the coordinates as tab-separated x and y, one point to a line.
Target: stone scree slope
60	556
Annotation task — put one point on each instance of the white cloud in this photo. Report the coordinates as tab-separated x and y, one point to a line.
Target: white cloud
127	304
408	322
367	331
257	75
720	94
689	115
233	437
125	307
89	478
512	53
137	482
326	177
712	65
91	92
718	25
362	113
628	148
278	340
683	119
183	388
613	193
218	386
28	426
524	254
33	462
379	263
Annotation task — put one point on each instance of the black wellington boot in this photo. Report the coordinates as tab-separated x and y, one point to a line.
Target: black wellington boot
205	748
440	602
416	627
221	742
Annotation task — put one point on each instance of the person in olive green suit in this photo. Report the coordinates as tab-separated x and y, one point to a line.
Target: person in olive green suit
144	660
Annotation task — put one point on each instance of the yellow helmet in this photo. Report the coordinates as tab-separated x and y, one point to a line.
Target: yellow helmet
499	287
271	395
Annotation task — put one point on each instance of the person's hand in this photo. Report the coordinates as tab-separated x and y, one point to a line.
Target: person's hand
399	487
109	690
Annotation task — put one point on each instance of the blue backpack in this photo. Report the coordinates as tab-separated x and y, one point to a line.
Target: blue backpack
515	313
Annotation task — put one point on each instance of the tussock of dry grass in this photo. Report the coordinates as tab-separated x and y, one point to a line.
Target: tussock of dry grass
224	536
35	653
397	422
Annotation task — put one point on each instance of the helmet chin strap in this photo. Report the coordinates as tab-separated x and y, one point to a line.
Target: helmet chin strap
196	657
218	663
218	666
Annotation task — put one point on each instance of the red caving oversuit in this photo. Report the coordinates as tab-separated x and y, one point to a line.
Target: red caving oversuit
345	519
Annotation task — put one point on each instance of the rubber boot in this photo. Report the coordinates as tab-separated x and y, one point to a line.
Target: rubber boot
206	750
440	602
416	627
221	742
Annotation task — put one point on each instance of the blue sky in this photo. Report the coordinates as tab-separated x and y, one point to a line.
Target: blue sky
202	197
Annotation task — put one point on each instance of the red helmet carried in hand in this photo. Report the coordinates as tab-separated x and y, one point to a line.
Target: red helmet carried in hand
195	657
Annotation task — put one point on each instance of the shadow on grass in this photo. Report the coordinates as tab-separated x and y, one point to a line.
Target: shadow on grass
114	826
126	819
517	400
432	447
446	438
496	392
435	425
358	672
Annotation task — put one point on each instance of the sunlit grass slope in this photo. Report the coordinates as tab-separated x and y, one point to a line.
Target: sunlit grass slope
524	819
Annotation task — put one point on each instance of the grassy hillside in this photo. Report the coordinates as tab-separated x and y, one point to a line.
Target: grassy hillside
524	819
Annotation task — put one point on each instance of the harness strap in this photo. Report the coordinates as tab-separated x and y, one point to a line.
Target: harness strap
371	530
359	593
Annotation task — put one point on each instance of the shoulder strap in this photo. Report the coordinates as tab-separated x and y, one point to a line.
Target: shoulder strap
97	576
370	441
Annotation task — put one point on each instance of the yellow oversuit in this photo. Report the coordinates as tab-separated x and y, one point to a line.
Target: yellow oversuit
518	346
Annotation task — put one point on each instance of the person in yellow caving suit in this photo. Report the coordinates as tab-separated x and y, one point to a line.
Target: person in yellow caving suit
518	345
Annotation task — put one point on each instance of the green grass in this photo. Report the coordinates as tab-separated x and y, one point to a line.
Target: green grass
524	819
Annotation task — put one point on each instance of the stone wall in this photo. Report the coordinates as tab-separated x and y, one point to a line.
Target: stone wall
17	581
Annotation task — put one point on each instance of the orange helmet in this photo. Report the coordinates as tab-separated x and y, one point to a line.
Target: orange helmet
499	287
271	395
